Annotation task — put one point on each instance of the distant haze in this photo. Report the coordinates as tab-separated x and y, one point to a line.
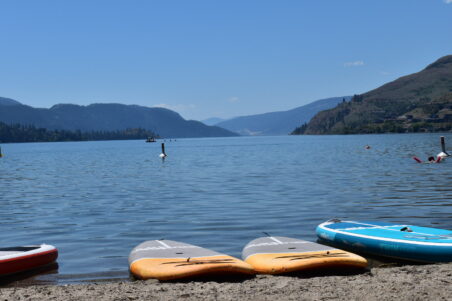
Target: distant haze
212	121
279	123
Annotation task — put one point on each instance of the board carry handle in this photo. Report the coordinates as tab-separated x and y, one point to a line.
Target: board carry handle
335	220
406	229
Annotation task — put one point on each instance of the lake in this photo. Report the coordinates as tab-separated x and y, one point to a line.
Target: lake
95	201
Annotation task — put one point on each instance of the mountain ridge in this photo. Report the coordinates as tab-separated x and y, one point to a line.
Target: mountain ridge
8	102
109	117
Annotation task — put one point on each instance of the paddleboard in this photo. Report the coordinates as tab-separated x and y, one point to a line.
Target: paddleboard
170	260
390	240
20	259
277	255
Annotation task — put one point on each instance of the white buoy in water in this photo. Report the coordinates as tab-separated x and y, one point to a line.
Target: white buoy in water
443	153
163	154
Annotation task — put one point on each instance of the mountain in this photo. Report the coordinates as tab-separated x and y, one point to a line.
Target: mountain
109	117
8	102
278	123
420	102
212	121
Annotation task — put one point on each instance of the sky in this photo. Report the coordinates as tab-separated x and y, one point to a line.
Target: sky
213	58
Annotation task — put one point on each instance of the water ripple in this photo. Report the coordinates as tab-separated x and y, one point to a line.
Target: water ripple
96	200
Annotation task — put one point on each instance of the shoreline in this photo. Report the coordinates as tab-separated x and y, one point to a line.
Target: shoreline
407	282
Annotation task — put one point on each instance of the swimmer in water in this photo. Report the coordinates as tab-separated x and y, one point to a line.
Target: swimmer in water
430	159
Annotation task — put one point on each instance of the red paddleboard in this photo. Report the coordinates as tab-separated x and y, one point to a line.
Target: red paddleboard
19	259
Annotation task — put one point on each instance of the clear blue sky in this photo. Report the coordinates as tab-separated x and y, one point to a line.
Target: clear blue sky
213	58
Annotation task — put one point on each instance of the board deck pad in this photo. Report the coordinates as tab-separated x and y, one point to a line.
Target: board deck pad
277	255
170	260
401	241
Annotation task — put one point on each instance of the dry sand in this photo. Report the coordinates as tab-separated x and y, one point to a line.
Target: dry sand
411	282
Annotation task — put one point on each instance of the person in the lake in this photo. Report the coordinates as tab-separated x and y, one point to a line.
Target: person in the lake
430	159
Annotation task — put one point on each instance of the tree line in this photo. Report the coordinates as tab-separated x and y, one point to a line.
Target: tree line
29	133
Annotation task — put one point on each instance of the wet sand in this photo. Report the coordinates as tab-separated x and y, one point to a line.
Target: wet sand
410	282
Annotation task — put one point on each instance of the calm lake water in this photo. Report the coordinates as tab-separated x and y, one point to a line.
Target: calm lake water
95	201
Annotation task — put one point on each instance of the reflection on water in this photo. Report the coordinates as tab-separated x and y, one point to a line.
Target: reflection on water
42	275
96	200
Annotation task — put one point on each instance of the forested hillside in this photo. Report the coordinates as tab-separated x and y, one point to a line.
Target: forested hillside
109	117
21	133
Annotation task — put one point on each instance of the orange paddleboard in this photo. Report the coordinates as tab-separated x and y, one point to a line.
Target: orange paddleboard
278	255
170	260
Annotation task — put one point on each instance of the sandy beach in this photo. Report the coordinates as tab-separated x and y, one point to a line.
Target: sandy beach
410	282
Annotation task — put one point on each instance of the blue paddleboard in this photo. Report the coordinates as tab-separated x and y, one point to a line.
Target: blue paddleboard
390	240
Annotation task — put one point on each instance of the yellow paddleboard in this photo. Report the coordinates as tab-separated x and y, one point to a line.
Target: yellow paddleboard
278	255
170	260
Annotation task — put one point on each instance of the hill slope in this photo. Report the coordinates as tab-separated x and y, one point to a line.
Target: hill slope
8	102
109	117
278	123
418	102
